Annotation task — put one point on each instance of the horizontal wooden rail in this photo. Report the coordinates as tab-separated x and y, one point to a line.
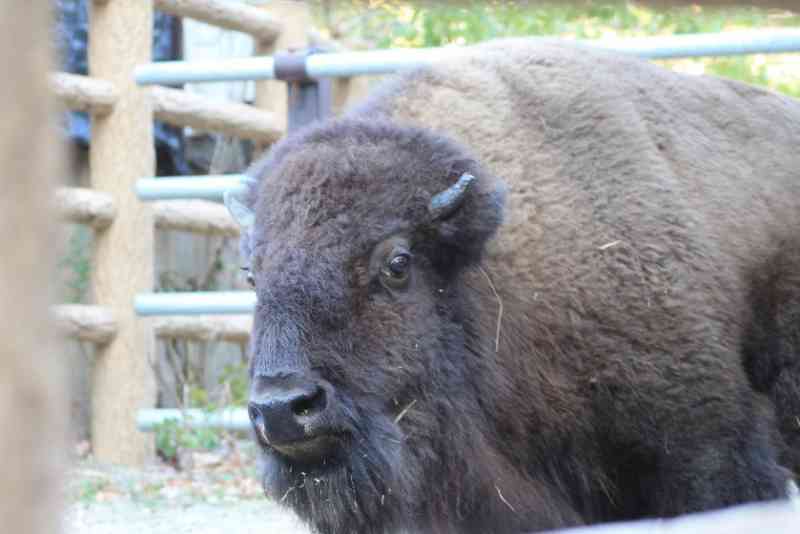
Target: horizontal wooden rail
85	206
231	118
94	324
82	93
199	216
236	16
231	328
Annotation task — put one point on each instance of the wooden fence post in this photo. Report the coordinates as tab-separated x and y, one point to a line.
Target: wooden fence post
121	152
32	401
348	91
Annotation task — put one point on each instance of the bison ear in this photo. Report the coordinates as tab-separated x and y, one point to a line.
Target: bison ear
235	201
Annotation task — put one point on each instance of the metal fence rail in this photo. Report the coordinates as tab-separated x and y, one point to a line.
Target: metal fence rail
210	187
233	419
195	303
772	41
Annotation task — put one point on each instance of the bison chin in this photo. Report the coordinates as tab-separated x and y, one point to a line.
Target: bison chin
366	485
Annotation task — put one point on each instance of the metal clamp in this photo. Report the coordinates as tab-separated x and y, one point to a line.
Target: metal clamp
309	98
291	66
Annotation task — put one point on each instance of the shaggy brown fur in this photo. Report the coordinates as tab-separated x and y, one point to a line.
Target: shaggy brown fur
600	332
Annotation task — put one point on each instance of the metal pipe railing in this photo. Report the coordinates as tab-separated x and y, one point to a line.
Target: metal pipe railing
195	303
210	187
227	419
771	41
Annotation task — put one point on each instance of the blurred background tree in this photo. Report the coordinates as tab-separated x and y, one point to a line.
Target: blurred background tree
390	24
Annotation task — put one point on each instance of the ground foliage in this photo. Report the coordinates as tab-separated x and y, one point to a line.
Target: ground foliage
227	473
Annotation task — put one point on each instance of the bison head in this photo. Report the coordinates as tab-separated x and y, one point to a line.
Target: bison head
368	380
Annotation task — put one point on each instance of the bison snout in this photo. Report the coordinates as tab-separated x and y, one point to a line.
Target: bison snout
294	416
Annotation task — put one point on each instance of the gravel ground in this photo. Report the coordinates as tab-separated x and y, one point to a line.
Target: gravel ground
128	517
215	492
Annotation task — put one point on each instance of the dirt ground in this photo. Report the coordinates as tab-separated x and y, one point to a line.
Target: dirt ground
214	492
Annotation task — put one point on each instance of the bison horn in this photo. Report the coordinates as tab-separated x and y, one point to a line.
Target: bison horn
448	201
235	202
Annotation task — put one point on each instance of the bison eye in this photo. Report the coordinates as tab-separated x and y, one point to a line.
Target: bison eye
395	273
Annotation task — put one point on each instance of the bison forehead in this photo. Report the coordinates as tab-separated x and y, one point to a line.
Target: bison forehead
351	177
320	187
335	223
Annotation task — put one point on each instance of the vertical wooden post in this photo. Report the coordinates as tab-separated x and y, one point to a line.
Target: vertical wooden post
122	151
296	19
348	91
32	400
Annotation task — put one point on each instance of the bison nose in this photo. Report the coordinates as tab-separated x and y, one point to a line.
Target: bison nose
290	414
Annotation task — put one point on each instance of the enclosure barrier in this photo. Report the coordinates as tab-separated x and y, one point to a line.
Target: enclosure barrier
122	151
93	324
387	61
181	108
195	303
173	106
189	187
228	419
204	328
198	216
228	15
84	206
87	323
82	93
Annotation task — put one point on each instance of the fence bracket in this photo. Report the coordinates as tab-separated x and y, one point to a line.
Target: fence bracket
309	98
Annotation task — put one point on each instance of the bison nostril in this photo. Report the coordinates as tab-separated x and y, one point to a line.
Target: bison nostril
309	404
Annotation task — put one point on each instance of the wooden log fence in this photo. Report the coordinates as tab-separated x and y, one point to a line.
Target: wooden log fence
93	324
230	328
85	206
229	15
176	107
82	93
239	120
199	216
122	151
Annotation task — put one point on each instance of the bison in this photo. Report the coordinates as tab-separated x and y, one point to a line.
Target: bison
535	286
